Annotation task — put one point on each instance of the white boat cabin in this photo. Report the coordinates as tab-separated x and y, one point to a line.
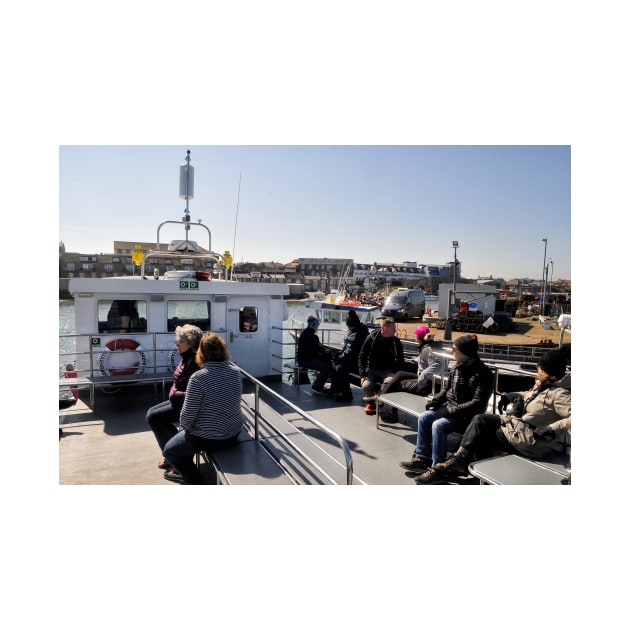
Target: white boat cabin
126	325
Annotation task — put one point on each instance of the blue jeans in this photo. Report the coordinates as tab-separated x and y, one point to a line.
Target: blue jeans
433	430
181	449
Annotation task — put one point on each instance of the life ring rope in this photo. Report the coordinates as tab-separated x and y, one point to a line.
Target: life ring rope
117	346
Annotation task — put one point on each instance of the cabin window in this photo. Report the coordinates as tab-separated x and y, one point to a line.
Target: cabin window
122	316
195	312
248	319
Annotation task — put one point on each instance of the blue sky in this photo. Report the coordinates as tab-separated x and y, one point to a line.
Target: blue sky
382	203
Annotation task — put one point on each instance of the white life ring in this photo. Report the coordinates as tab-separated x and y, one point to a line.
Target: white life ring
113	351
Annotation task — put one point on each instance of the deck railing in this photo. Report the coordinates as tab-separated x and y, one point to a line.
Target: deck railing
259	387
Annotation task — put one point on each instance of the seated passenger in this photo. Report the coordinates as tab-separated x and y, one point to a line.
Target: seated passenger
420	384
381	356
530	423
347	361
211	417
163	418
464	395
312	355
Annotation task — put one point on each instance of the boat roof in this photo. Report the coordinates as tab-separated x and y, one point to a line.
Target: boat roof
150	286
344	307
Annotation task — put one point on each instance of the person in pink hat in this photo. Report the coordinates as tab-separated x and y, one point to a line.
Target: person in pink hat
420	383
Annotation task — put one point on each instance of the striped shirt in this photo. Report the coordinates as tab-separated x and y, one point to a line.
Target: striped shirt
212	406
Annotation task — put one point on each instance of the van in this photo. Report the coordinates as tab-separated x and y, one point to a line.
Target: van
403	304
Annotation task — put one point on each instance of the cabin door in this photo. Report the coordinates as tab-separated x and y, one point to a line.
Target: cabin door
248	334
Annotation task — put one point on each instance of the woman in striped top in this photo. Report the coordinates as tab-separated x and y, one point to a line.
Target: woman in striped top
211	417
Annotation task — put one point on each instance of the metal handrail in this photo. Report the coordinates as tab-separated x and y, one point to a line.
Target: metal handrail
258	385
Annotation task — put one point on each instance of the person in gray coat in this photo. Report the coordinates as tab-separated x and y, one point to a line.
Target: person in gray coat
529	423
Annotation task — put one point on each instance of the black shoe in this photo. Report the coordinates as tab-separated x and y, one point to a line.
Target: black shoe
319	392
388	416
344	398
454	466
430	476
172	475
417	464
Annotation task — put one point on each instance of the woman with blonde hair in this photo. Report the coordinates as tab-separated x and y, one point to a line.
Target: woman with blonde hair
164	416
211	418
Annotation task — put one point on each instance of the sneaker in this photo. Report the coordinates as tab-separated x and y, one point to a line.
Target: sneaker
173	475
429	476
389	416
453	466
370	409
319	392
417	464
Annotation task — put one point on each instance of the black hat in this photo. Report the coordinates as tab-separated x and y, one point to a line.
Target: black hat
554	363
467	344
352	321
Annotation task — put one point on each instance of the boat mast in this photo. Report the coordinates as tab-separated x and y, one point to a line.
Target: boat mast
186	186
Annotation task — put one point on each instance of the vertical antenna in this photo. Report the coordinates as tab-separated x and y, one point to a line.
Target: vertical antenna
238	198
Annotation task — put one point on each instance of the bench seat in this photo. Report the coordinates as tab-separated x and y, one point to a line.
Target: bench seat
516	470
413	404
92	382
282	454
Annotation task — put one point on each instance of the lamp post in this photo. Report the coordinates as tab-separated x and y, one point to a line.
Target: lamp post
542	302
448	329
550	283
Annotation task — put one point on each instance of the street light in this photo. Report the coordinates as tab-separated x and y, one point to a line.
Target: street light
448	330
542	303
550	283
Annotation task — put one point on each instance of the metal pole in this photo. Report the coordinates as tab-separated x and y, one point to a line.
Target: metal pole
542	303
448	330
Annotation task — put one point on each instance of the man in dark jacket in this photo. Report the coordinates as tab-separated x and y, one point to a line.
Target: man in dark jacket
380	358
465	394
347	361
311	354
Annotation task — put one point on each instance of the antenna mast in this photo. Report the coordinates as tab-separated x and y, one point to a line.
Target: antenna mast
238	198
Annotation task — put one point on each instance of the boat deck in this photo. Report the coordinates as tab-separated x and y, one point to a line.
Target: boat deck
111	442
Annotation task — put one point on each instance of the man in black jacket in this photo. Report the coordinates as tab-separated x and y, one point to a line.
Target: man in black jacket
347	361
311	354
465	394
380	358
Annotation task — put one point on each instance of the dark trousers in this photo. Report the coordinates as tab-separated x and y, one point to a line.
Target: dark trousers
340	380
394	384
483	437
181	449
162	419
324	370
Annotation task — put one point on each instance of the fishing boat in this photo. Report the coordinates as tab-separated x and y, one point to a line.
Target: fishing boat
124	356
